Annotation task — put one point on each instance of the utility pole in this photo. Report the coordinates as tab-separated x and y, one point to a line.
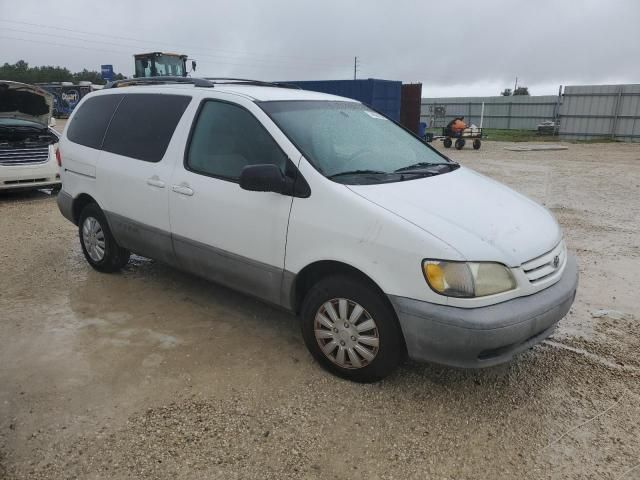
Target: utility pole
515	87
556	113
355	67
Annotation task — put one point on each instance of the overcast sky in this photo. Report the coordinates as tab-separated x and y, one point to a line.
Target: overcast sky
453	48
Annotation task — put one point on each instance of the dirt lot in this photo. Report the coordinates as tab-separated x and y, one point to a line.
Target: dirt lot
153	373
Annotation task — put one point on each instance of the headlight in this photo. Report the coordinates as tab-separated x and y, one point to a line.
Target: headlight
467	279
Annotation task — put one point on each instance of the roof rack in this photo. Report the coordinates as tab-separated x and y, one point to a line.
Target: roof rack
207	82
248	81
198	82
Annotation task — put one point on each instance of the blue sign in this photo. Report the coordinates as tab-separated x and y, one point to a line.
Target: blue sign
107	72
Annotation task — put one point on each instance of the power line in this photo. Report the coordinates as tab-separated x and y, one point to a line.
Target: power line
62	45
122	53
258	62
66	37
233	53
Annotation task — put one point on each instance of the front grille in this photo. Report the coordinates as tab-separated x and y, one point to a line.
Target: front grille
23	156
546	265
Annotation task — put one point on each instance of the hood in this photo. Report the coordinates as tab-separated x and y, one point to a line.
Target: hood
479	217
26	102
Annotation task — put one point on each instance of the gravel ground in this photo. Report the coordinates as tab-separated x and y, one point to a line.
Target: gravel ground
153	373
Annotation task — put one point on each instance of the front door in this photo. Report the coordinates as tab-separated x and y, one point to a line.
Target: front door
229	235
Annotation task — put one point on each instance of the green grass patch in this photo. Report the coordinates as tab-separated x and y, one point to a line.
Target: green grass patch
500	135
598	140
517	136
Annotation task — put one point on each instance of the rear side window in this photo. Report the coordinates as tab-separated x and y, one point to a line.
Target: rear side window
144	124
226	138
91	120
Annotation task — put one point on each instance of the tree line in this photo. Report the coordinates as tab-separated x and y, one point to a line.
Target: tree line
22	72
507	92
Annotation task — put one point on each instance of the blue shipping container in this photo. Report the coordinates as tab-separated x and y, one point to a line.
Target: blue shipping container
382	95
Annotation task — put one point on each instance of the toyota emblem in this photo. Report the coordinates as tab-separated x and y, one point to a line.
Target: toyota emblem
556	261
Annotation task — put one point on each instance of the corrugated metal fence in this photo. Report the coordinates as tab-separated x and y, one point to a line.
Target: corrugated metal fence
519	112
584	112
590	111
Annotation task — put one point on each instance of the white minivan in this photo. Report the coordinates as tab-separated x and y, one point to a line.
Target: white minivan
316	203
27	139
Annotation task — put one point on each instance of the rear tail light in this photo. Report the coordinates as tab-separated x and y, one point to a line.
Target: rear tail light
58	157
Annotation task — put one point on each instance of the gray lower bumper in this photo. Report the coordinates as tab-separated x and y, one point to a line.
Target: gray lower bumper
65	204
485	336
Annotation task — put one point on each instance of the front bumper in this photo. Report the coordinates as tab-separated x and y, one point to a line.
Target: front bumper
29	176
484	336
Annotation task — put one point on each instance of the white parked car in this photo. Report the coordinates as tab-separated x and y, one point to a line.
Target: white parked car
27	141
383	246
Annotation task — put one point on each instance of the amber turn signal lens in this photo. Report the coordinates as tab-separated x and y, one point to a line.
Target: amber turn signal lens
435	276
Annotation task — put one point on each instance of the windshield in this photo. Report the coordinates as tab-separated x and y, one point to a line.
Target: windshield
169	65
347	138
164	65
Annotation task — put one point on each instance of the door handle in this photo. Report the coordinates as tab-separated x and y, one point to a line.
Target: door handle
182	189
155	182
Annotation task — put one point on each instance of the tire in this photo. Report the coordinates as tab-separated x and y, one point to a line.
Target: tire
113	257
447	143
340	290
476	144
459	144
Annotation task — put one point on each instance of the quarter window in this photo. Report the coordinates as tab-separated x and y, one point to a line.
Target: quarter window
90	122
226	138
143	125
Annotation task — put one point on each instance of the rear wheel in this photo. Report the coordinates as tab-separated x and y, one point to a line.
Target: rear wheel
98	245
476	144
447	143
350	330
459	144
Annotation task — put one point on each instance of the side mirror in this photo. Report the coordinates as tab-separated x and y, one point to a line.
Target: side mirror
263	178
193	65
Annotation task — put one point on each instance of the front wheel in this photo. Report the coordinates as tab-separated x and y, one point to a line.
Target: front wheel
477	144
460	144
350	330
98	245
447	143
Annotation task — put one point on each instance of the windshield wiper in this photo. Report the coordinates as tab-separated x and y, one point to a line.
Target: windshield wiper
358	172
418	165
412	174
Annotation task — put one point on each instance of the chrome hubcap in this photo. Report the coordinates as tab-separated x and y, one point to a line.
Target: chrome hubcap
346	333
93	238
